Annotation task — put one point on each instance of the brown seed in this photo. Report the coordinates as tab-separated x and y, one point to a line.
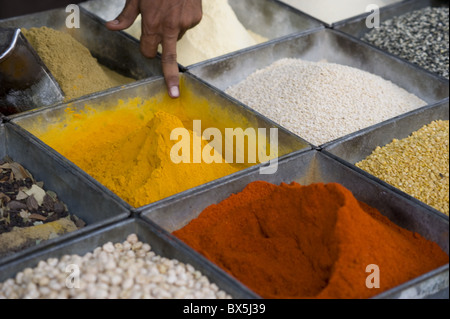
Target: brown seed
32	203
59	208
16	206
48	203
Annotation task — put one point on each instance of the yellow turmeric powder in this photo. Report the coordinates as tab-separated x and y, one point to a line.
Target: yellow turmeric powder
127	148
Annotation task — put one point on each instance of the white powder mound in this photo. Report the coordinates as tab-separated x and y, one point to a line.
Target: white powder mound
220	32
321	101
330	11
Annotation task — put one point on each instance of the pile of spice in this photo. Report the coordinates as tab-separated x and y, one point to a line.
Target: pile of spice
417	165
316	241
28	213
128	147
219	32
77	72
128	270
420	37
321	101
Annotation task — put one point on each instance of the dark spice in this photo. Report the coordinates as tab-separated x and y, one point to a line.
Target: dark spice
19	206
420	37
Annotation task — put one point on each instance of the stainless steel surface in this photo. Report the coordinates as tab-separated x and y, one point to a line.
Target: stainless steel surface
268	18
83	198
363	15
112	49
221	110
8	41
356	147
332	46
272	19
357	26
25	81
316	167
160	242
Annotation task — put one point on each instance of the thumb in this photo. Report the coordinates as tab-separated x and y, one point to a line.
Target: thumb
126	17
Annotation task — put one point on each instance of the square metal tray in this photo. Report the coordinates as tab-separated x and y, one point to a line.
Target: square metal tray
268	18
316	167
333	24
357	26
221	108
112	49
83	198
332	46
148	233
356	147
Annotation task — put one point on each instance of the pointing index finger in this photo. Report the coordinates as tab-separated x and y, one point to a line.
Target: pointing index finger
170	65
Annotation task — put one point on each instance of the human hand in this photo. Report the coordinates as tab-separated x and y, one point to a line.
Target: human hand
163	22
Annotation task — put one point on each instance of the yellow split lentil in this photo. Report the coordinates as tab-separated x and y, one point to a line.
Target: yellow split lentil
418	165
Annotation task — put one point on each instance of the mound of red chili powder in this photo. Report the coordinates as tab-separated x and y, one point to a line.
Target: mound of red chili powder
294	241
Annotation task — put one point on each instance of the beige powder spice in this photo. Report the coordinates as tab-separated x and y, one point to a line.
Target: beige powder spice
77	72
21	238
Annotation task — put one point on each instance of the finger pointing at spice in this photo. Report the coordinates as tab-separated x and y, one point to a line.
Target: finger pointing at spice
163	23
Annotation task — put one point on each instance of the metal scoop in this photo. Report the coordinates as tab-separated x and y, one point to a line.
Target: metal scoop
25	81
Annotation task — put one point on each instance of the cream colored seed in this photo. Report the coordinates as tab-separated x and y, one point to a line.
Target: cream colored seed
417	165
125	270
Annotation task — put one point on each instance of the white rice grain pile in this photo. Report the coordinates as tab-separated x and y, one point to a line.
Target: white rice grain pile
321	101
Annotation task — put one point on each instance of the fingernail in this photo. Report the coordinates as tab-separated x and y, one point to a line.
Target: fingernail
174	91
114	22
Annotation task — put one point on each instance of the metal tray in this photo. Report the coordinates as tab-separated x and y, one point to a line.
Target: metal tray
111	49
268	18
147	232
221	109
316	167
83	198
357	26
332	46
333	24
356	147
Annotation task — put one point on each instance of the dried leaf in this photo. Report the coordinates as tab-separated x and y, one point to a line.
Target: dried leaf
18	171
21	195
37	192
24	214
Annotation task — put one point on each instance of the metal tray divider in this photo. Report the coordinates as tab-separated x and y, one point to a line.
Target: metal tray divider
147	232
316	166
436	111
112	209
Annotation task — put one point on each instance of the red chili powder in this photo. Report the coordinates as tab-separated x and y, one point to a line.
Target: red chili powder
294	241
